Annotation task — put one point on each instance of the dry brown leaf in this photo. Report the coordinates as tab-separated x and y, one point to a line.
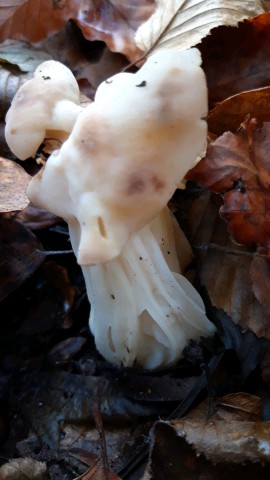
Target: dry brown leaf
229	114
237	59
239	406
115	23
21	254
34	21
111	21
224	268
13	184
173	458
260	276
8	8
33	217
222	437
183	24
238	167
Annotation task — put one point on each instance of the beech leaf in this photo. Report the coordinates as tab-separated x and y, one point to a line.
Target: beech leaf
225	269
13	183
228	115
8	8
182	24
234	433
237	165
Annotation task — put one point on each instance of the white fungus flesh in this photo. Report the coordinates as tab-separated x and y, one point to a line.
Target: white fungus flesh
45	106
111	180
127	153
143	311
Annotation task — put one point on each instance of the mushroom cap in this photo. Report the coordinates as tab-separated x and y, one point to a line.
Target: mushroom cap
49	101
127	153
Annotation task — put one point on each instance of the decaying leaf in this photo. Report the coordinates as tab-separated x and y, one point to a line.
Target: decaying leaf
237	165
237	59
52	15
10	82
13	184
33	217
183	24
22	54
172	457
53	399
23	468
228	435
8	8
20	253
113	22
224	267
228	114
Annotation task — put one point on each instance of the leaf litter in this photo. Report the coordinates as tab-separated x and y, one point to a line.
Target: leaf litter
143	425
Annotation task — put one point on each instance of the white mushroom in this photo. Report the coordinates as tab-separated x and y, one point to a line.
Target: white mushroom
45	106
111	181
127	153
143	311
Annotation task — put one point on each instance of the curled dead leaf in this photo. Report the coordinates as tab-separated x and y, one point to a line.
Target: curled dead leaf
183	24
229	114
224	267
236	59
237	166
113	22
229	435
21	254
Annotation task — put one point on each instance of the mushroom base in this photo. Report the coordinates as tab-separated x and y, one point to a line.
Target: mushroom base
143	311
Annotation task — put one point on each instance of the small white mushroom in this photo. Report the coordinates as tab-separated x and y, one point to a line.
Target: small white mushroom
45	106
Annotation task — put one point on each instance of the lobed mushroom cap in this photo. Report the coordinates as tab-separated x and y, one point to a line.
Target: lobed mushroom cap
127	153
49	101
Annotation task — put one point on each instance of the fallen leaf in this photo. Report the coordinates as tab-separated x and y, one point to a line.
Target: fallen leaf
23	468
172	457
10	82
113	22
22	54
236	59
66	349
34	218
9	8
183	24
34	21
13	184
224	267
228	435
21	254
53	399
228	115
260	276
237	166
